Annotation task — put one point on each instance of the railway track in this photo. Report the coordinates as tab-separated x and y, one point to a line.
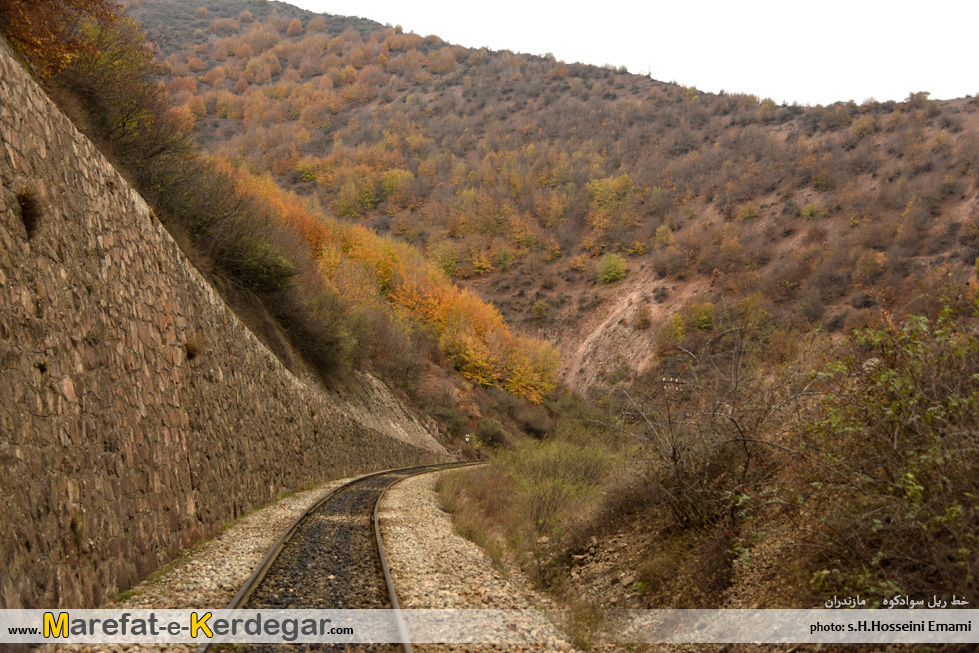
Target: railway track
330	558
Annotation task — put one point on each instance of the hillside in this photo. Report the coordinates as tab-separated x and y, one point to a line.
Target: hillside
517	174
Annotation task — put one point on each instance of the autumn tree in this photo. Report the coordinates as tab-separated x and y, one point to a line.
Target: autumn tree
295	28
49	32
317	24
223	26
442	61
244	51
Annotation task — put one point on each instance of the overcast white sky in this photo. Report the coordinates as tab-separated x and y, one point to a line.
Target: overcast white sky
807	52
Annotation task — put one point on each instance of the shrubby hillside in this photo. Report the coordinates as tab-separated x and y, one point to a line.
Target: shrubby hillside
518	174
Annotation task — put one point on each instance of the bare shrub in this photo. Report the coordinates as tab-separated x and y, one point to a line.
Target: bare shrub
643	317
709	426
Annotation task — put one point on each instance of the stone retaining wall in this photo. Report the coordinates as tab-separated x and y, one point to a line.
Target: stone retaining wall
137	414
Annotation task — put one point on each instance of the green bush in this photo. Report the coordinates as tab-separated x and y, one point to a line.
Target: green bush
896	460
866	126
454	421
446	256
533	419
321	327
812	210
260	265
540	310
702	316
558	486
611	268
490	432
503	259
747	211
823	181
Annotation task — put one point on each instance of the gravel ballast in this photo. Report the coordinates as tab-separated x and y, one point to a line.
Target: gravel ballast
434	568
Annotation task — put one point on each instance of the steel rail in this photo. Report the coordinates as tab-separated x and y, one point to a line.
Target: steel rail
402	628
243	594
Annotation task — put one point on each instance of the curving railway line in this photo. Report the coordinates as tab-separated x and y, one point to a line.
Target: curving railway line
330	558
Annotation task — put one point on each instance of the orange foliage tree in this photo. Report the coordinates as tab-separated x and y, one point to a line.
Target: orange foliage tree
48	31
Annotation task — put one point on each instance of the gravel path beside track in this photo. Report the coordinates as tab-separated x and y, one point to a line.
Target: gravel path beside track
435	568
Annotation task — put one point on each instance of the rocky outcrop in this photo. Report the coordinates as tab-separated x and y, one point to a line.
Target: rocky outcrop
137	413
